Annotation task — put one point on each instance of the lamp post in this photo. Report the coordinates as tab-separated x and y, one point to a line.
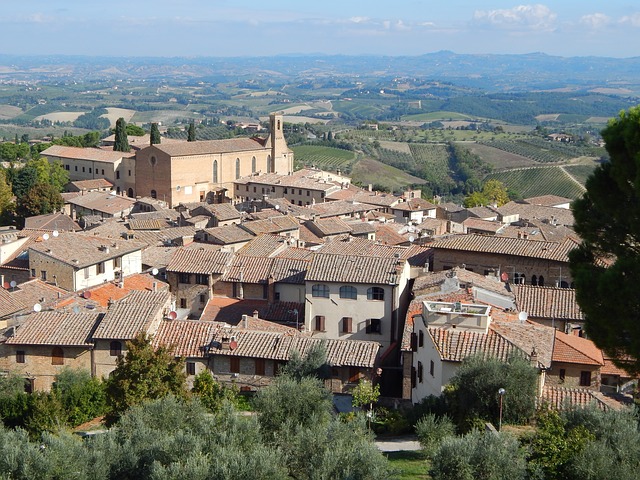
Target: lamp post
501	393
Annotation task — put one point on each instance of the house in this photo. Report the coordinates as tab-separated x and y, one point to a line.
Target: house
576	362
52	222
204	170
101	204
93	185
550	201
218	214
140	311
74	261
284	225
551	306
47	342
414	210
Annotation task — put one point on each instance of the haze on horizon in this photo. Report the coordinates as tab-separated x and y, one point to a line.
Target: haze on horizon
244	28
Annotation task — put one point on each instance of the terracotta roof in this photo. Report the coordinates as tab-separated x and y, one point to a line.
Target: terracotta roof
483	212
575	349
264	245
91	184
185	338
507	246
342	207
230	310
158	257
377	198
548	200
329	226
388	235
78	153
80	251
10	304
248	270
289	270
307	236
294	253
222	211
413	205
148	223
483	225
36	291
360	227
361	246
110	291
51	222
199	260
560	398
206	147
455	345
102	202
548	302
131	315
228	234
282	223
353	269
56	328
527	337
611	368
561	216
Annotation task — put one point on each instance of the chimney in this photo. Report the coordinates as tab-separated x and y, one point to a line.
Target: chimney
255	314
245	321
533	358
154	287
371	187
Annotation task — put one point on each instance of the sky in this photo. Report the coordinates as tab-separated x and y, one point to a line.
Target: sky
250	28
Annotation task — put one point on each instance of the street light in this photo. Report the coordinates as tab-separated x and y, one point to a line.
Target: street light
501	393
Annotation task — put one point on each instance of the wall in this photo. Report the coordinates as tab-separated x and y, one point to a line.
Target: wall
572	375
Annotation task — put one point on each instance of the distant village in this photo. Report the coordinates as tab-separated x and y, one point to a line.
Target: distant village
219	250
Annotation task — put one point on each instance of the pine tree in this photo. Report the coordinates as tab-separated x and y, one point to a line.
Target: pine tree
191	133
155	134
121	143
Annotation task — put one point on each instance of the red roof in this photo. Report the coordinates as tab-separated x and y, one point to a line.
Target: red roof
574	349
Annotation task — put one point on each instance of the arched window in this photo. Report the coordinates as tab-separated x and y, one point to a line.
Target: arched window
348	291
541	281
375	293
564	284
57	356
320	290
154	194
130	193
534	280
237	168
523	279
118	190
253	165
115	348
268	163
215	171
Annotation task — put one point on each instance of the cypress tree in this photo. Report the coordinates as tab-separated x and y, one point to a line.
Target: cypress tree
121	143
191	133
155	134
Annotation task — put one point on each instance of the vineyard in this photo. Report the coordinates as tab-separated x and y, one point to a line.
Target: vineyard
580	172
533	182
403	161
384	177
432	162
326	158
202	133
529	150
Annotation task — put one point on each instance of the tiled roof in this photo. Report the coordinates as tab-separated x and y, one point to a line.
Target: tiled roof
289	270
329	226
264	245
360	228
413	205
248	270
282	223
465	279
222	211
361	246
548	302
91	184
102	294
301	179
185	338
294	253
148	223
342	207
206	147
548	200
230	310
415	309
507	246
80	251
78	153
483	212
388	235
10	304
484	225
36	291
308	237
102	202
131	315
560	398
56	328
353	269
52	221
199	260
527	337
575	349
561	216
377	198
228	234
455	345
158	257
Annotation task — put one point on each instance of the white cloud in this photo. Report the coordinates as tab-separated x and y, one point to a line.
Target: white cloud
633	20
595	20
530	17
359	19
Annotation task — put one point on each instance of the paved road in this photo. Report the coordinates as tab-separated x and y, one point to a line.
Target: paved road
397	444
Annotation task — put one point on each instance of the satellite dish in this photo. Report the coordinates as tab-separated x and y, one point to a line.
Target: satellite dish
76	309
172	315
45	236
504	276
55	233
13	284
113	193
37	307
277	207
86	294
411	238
522	316
154	272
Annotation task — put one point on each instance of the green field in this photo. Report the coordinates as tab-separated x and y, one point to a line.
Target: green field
409	465
326	158
368	171
580	172
533	182
498	159
432	161
436	116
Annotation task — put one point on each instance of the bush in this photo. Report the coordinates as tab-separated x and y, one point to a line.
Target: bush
432	430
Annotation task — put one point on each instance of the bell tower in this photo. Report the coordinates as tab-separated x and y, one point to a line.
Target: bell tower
281	156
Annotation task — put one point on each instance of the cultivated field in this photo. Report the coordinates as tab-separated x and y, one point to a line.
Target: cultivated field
326	158
396	146
536	181
580	172
165	117
113	114
436	116
9	111
60	116
368	171
498	159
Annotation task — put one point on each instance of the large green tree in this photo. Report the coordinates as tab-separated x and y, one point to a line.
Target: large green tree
121	143
607	262
144	373
155	134
191	133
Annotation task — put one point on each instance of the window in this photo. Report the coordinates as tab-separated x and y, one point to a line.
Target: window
319	327
585	379
154	194
20	356
83	170
117	262
541	281
299	191
563	374
115	348
76	168
43	275
118	175
347	325
285	190
320	290
237	168
534	280
90	170
420	372
203	298
183	303
66	167
215	171
375	293
374	325
254	189
102	172
129	172
183	277
130	193
308	193
354	374
234	364
191	368
57	356
259	365
100	268
253	165
421	339
432	367
28	385
348	291
33	272
201	279
414	342
87	273
268	163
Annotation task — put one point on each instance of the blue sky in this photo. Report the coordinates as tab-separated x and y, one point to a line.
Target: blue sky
244	28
